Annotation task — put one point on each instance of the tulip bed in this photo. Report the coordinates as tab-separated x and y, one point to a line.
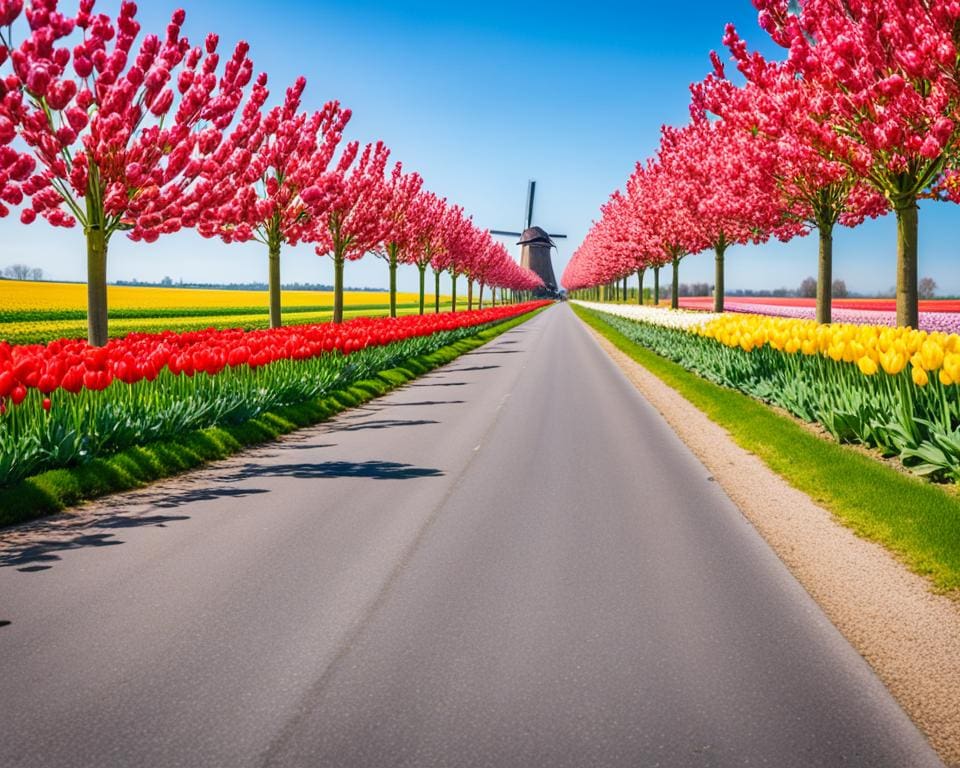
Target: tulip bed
934	315
892	389
37	313
65	403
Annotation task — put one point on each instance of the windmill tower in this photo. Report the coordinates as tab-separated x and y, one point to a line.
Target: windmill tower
536	244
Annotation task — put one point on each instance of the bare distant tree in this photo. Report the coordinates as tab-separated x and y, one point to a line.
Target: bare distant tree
926	288
36	273
808	288
700	289
17	272
840	289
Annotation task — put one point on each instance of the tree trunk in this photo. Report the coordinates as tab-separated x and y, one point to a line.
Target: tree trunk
392	252
656	286
453	291
825	275
480	297
675	293
640	285
338	262
469	294
720	249
907	231
625	288
436	292
423	269
276	319
96	287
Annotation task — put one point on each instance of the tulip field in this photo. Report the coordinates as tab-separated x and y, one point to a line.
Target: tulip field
39	312
933	316
66	402
893	389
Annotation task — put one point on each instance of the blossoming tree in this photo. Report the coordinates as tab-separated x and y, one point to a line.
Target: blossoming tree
120	135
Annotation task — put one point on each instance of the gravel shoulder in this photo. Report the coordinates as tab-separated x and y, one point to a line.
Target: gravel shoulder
908	634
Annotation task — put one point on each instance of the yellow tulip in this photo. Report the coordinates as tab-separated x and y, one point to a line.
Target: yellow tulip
920	377
867	366
893	361
951	364
931	353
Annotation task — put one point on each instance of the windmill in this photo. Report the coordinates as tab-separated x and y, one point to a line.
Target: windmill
536	244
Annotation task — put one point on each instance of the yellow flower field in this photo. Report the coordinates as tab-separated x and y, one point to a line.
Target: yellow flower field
37	312
871	348
25	295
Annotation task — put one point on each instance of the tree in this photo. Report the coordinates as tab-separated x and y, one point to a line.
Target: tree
122	135
814	190
401	222
36	274
347	207
425	217
839	289
274	160
884	78
926	288
18	272
714	171
808	288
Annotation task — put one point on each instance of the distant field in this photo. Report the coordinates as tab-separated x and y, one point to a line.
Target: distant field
869	305
935	314
39	312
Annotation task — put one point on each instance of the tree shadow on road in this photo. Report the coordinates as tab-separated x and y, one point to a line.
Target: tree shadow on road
39	545
441	384
371	470
474	368
430	402
381	424
35	555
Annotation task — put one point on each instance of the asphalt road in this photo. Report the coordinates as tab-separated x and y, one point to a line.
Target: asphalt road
511	562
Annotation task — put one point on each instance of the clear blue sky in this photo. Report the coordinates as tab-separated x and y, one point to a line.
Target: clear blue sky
481	97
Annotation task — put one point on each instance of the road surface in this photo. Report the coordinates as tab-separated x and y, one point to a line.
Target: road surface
510	562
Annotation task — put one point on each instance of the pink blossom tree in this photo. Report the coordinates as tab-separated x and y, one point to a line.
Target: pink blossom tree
816	190
120	136
425	217
347	206
401	222
260	186
884	77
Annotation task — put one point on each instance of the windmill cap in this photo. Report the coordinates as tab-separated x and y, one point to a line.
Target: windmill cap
535	236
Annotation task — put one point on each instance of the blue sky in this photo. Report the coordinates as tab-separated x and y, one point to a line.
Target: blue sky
479	98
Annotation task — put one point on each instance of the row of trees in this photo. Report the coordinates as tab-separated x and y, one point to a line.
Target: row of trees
858	119
22	272
150	139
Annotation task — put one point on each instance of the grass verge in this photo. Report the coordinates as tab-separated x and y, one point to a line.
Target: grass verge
58	489
914	519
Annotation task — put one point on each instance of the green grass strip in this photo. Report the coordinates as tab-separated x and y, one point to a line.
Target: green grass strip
914	519
59	489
